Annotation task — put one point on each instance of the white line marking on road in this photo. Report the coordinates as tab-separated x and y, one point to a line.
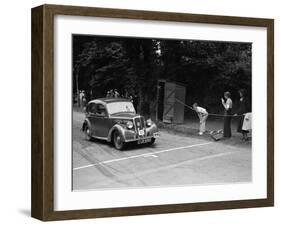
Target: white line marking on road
156	170
141	155
151	155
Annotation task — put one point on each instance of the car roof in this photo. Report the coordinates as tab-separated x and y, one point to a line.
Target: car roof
107	100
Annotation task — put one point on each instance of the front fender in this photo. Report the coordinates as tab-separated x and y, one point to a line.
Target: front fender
86	122
118	128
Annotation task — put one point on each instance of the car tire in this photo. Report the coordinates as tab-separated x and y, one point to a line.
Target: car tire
152	141
87	133
117	141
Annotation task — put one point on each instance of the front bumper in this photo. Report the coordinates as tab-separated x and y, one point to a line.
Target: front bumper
140	138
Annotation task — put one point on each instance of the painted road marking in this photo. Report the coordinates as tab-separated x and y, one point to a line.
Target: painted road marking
141	155
156	170
152	155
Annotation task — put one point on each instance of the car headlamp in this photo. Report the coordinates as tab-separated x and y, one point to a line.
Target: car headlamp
148	122
130	125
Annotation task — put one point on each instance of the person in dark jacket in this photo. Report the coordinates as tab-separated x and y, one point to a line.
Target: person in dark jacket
227	104
241	111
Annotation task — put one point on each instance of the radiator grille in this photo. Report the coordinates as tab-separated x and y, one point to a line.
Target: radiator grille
139	123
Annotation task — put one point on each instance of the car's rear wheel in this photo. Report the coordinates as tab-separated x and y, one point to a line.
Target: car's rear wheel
87	132
117	141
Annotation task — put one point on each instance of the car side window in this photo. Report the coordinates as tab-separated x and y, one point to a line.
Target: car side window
100	110
92	108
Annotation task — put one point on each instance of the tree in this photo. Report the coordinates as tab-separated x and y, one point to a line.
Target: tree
142	56
134	65
102	66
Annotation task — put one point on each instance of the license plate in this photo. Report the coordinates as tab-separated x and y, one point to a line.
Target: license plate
141	132
156	135
144	141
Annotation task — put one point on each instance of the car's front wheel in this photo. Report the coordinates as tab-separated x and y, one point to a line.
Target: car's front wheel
117	141
152	141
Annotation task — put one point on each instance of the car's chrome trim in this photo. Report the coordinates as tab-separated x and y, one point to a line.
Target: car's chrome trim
101	138
134	121
130	140
136	139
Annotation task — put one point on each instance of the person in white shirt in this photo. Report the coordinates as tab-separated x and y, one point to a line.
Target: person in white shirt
227	104
203	115
247	123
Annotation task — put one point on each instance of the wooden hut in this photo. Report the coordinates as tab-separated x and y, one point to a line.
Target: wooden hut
171	99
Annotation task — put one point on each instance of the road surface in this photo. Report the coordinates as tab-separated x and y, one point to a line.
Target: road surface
174	160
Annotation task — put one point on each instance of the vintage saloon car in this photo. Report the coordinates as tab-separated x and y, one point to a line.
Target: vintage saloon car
115	120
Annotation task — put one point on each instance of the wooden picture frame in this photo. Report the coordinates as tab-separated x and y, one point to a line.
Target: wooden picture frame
42	203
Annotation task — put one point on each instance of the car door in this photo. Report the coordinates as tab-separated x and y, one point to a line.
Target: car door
100	121
91	112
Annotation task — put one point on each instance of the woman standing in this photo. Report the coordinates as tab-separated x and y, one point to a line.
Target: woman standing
242	109
227	104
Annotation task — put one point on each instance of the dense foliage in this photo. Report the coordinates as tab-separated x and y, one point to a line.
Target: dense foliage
133	65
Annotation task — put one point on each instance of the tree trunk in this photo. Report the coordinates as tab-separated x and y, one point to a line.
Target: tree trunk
77	90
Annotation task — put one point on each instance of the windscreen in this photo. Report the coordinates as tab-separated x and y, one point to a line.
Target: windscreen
117	107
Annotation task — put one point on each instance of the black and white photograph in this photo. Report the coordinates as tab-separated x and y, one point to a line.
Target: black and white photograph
151	112
141	112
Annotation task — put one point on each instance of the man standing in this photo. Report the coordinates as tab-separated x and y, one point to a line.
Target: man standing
81	96
203	115
116	93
